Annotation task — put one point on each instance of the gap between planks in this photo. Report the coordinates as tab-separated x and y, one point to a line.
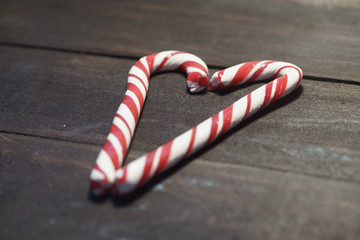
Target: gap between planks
216	67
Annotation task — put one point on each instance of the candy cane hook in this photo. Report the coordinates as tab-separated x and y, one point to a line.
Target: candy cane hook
113	152
287	78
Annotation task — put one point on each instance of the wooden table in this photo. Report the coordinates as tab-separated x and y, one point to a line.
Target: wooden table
289	172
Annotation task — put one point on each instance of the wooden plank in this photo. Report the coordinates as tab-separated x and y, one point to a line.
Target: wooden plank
74	97
324	40
55	94
43	189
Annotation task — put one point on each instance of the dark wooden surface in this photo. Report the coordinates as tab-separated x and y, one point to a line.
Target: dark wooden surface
289	172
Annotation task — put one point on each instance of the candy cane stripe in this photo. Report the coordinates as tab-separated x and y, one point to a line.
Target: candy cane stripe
148	164
129	102
141	66
242	73
116	132
227	117
214	128
110	150
124	122
112	155
267	97
248	106
287	79
135	90
139	79
192	140
259	71
164	157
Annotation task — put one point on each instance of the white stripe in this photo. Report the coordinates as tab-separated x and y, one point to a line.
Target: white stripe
124	129
138	84
293	79
134	98
257	99
255	68
117	146
220	124
203	131
179	147
125	112
194	69
135	170
229	74
159	58
140	73
96	175
155	162
178	59
105	164
239	109
144	62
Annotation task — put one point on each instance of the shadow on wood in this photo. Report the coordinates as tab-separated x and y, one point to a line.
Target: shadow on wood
138	193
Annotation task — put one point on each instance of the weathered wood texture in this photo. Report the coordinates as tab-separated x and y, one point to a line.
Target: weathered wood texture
292	171
323	39
74	97
44	186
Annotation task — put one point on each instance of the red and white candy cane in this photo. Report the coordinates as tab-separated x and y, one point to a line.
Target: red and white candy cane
288	77
113	152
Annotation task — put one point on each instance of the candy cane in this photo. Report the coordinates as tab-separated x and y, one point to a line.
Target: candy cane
113	152
288	77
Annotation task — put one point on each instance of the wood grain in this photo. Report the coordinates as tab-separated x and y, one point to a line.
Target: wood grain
292	171
324	40
43	194
74	97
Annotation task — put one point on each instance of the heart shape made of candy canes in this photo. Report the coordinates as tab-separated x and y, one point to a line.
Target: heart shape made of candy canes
108	173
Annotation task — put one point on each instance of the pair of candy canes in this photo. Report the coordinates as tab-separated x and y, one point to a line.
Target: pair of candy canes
108	172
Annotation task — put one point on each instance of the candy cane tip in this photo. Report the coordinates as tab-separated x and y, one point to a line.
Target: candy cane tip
197	82
99	188
99	183
123	186
215	81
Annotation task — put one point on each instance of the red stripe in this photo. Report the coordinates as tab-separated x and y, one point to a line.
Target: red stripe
187	64
110	150
129	102
150	61
195	76
214	127
132	87
98	184
164	157
268	90
165	60
138	78
121	137
191	145
242	73
99	169
248	106
147	168
140	65
227	116
127	125
280	87
219	85
259	71
278	71
123	178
